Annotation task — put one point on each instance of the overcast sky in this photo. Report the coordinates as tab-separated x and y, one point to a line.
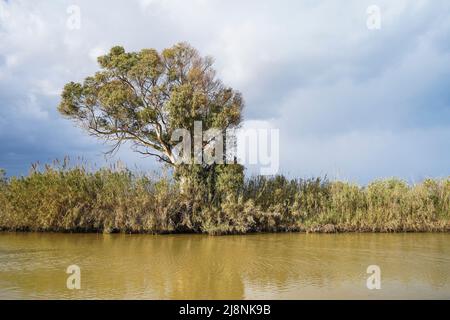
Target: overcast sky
350	102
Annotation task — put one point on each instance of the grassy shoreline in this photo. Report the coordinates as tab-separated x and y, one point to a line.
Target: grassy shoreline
108	201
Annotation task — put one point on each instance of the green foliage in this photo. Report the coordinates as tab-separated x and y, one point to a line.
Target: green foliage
74	199
2	177
142	97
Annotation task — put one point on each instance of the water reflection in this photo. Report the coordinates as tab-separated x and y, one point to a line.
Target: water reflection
274	266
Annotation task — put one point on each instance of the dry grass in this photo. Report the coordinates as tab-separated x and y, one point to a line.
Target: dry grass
62	199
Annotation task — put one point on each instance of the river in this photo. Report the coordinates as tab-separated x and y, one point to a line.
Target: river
261	266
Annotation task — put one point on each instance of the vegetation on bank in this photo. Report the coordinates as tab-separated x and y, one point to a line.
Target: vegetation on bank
62	199
143	98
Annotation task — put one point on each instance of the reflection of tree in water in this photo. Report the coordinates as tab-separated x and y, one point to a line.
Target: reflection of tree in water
171	267
200	267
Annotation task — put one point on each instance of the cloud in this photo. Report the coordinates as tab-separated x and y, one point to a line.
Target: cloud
346	99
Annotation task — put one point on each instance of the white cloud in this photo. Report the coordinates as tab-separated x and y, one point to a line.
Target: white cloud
345	98
94	53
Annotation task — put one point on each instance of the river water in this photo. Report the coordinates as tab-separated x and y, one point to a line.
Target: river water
262	266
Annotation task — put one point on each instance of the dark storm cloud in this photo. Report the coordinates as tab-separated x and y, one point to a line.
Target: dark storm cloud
349	102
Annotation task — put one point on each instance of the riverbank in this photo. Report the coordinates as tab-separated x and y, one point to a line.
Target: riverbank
108	201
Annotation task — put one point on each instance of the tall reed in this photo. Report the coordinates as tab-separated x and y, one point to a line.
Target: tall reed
75	199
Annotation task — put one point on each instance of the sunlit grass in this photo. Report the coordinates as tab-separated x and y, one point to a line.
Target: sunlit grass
60	198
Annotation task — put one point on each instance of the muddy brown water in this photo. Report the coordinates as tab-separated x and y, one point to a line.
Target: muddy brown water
262	266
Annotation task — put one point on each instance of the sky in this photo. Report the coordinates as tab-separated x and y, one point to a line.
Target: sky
351	101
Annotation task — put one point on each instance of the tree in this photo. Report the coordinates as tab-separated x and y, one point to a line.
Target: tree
142	97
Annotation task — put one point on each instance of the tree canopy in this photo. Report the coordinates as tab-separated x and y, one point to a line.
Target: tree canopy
142	97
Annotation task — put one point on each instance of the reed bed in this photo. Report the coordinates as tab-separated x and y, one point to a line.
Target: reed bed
75	199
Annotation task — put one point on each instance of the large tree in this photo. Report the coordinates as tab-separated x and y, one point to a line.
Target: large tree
142	97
